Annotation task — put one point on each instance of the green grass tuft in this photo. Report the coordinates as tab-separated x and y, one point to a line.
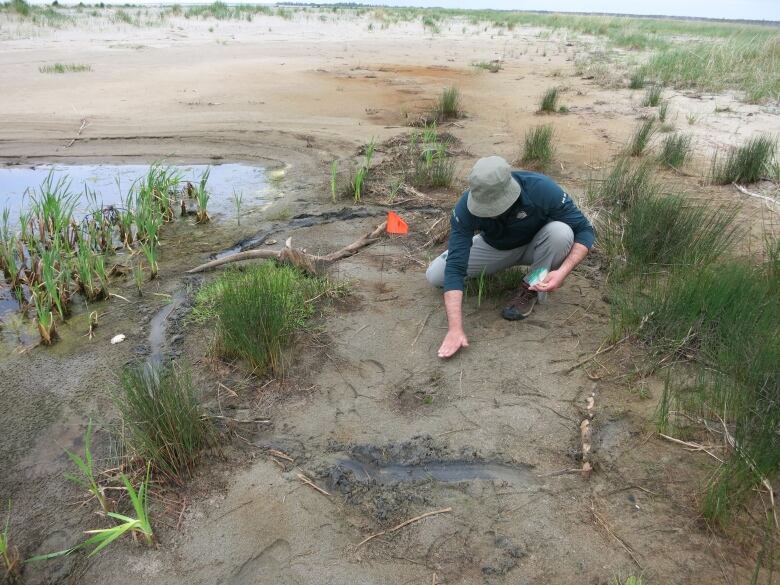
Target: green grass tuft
637	80
539	150
745	164
652	96
259	312
641	137
625	184
549	101
676	150
449	103
163	422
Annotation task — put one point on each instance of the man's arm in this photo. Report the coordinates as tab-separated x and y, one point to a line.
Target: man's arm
459	249
555	278
456	337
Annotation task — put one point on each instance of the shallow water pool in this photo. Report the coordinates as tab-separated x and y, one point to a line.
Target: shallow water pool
112	182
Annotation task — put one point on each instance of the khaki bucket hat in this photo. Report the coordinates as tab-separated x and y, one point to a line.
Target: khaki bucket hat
492	189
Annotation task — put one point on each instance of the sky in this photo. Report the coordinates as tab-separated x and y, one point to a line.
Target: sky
732	9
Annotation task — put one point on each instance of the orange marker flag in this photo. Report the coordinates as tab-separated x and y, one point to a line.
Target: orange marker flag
395	225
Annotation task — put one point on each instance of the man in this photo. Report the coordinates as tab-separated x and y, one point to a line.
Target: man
523	218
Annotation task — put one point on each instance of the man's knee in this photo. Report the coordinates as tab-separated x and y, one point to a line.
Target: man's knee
559	236
435	272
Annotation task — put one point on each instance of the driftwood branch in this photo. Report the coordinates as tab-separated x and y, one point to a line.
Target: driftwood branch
767	198
296	256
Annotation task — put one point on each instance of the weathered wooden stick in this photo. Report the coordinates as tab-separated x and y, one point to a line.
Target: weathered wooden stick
295	256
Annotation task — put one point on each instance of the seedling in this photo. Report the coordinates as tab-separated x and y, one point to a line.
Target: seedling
8	552
87	478
357	183
149	249
370	149
238	198
44	317
202	197
101	538
138	277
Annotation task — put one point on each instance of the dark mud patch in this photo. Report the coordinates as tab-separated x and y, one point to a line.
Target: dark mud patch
384	481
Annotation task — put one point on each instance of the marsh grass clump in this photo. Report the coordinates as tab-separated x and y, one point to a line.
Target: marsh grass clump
661	233
623	185
744	164
652	96
65	68
539	150
663	111
163	423
637	79
725	318
259	312
641	137
676	150
449	103
549	101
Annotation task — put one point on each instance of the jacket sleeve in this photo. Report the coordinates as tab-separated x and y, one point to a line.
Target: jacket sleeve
459	249
562	208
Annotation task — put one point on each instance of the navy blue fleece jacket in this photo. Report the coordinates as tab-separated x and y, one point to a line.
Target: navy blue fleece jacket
540	202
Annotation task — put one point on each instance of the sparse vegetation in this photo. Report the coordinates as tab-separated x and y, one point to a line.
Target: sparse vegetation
538	150
744	164
676	150
85	465
549	101
162	421
641	137
492	66
65	68
652	96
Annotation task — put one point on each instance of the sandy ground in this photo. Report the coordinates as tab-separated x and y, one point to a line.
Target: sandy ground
369	388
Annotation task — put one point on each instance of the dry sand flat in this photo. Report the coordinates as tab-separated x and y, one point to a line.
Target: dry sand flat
370	391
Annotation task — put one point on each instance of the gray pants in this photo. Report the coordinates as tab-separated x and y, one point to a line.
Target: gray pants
548	249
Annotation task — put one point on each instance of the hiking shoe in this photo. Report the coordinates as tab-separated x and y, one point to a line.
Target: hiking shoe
521	304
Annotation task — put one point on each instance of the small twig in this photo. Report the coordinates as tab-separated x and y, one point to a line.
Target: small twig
311	484
119	297
280	455
402	524
622	542
691	446
84	124
598	353
422	326
181	514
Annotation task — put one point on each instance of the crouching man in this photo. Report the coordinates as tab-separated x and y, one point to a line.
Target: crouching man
519	218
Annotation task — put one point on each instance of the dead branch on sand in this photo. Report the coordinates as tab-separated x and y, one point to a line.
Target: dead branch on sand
402	524
311	484
296	256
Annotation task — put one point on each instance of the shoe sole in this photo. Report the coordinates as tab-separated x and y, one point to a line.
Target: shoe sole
520	316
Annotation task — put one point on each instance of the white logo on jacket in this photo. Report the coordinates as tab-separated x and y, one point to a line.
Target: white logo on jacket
522	215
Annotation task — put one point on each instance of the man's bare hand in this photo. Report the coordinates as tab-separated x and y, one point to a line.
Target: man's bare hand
452	343
551	282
